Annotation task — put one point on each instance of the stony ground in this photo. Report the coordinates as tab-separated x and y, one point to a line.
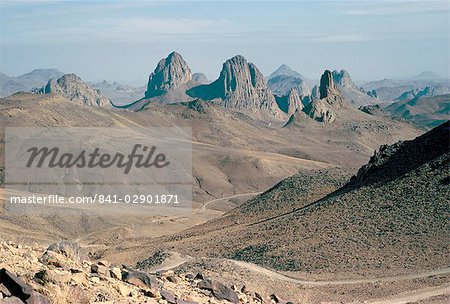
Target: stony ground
63	274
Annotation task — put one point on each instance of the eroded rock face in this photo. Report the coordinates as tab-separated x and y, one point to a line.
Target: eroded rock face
75	89
282	84
241	86
331	101
200	78
290	103
343	78
171	72
327	86
315	94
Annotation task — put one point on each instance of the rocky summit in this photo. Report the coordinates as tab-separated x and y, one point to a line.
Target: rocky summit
324	109
282	84
240	86
343	78
327	86
290	103
76	90
170	73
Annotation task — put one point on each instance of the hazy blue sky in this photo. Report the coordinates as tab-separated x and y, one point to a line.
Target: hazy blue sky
117	40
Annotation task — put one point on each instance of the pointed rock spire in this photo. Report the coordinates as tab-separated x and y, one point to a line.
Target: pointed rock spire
343	78
327	86
171	72
240	86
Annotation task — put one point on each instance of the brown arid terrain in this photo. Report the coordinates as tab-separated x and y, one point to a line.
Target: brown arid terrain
312	237
387	224
423	110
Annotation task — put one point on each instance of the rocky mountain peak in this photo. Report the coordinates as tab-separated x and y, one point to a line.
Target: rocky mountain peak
171	72
327	86
295	103
391	161
281	85
240	86
75	89
343	78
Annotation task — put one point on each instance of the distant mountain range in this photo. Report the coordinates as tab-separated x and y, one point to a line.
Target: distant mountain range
242	87
426	107
392	89
34	79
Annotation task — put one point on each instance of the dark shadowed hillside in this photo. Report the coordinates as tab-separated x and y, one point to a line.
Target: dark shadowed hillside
391	218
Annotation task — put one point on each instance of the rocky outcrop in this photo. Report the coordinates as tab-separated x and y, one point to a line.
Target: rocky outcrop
327	86
343	78
171	72
81	281
282	84
15	290
331	101
290	103
315	94
320	111
392	161
372	93
241	86
75	89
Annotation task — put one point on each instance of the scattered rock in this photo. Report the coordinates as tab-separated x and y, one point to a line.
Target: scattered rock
180	301
100	269
219	290
70	250
138	278
78	296
168	296
12	300
124	290
19	289
80	279
116	273
53	276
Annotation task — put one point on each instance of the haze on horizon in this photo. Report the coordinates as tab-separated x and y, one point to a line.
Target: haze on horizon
118	40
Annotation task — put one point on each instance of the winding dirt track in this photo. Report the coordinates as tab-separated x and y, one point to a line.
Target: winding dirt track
205	205
414	296
402	298
282	277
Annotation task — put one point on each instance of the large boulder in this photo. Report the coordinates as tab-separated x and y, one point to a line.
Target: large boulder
138	278
219	290
18	289
290	103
